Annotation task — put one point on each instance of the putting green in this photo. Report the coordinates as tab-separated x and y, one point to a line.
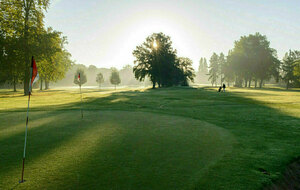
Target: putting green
109	150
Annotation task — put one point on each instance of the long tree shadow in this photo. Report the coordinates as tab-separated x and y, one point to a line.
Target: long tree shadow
41	140
267	137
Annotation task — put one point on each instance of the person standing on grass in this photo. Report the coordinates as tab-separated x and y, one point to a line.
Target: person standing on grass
224	86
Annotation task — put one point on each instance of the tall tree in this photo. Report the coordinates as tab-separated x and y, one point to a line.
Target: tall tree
11	56
229	76
252	57
214	69
297	68
155	58
297	72
33	15
222	63
202	70
289	65
53	60
115	77
23	19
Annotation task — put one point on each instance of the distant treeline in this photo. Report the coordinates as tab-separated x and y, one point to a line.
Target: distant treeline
126	76
22	34
252	60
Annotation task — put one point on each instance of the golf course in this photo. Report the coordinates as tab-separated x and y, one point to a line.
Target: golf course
169	138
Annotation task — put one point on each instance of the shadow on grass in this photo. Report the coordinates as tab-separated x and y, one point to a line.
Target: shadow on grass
42	139
267	137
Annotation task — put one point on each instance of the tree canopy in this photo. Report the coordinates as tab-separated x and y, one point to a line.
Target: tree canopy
22	34
290	68
252	58
157	59
100	79
115	77
214	69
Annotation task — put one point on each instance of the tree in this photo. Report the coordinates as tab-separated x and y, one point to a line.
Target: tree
53	60
202	70
221	62
214	69
228	72
185	71
11	56
252	58
83	78
115	77
22	34
297	72
297	68
157	59
289	67
33	15
100	79
11	68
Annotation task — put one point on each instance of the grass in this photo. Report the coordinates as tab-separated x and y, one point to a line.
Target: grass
175	138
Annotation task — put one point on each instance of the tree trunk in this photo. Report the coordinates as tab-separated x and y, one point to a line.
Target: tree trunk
228	84
261	83
246	83
153	85
15	88
255	83
287	84
41	81
46	85
26	50
249	85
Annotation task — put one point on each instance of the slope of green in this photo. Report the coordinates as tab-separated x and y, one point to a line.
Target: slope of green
175	138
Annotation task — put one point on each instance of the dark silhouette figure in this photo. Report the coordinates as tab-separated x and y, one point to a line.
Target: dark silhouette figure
224	86
220	89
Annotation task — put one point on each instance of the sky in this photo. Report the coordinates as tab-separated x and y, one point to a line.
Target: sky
104	33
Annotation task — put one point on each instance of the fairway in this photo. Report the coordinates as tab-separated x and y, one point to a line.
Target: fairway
174	138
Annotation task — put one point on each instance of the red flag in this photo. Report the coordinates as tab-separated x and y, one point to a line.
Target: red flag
78	76
34	71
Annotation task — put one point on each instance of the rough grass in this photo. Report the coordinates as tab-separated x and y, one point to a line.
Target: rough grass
175	138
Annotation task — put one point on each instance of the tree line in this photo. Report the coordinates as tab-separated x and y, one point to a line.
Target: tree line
253	60
22	35
126	75
114	77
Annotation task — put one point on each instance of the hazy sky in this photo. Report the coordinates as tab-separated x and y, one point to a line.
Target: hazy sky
105	32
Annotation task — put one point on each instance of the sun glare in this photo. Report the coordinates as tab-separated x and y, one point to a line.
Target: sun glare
155	45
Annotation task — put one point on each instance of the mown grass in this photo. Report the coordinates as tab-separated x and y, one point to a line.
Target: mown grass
175	138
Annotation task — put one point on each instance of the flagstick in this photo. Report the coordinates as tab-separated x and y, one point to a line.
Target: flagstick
22	180
81	102
33	74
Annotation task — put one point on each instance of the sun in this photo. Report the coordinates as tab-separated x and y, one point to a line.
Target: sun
155	45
